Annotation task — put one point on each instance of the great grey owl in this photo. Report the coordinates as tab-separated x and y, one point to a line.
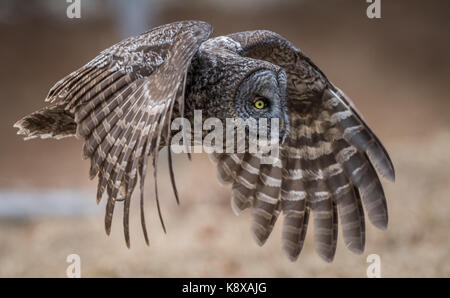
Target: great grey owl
122	101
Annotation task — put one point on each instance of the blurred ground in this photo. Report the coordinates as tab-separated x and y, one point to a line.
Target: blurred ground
397	71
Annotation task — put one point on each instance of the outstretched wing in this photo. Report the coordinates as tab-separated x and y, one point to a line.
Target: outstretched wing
326	160
121	103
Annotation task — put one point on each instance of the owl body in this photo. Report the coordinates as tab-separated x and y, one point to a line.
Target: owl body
123	102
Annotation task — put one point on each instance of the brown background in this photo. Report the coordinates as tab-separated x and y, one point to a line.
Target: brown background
396	69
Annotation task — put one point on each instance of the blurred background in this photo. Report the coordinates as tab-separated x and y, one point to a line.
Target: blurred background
396	69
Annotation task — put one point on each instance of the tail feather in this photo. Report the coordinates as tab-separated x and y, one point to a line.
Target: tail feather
49	122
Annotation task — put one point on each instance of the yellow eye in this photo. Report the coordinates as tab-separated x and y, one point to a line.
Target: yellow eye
259	103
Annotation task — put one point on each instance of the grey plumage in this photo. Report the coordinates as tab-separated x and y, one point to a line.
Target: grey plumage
122	102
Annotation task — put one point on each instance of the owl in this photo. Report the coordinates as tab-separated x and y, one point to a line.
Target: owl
122	103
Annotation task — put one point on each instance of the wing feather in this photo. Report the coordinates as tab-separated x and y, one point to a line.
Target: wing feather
327	159
244	186
121	101
266	204
114	166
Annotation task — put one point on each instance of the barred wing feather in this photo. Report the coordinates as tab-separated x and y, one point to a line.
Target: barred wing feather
121	103
326	161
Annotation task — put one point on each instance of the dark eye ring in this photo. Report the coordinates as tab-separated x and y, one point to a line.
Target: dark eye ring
260	102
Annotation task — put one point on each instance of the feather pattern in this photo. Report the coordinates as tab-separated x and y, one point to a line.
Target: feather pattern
122	102
119	104
326	159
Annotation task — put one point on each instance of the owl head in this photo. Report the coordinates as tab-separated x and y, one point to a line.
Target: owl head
261	95
226	85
